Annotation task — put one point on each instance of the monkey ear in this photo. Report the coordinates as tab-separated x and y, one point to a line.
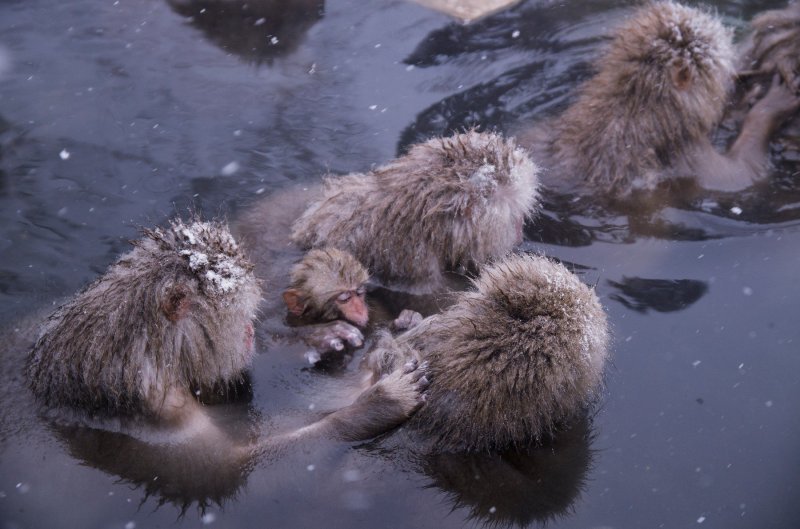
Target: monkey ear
176	303
295	301
681	76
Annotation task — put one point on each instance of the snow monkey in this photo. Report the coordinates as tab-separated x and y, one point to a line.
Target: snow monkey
448	204
508	362
644	118
168	321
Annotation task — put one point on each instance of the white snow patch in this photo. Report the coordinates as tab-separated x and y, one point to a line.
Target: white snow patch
64	154
230	169
736	210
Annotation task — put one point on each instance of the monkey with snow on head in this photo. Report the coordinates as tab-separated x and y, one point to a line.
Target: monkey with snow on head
169	321
449	204
509	362
644	118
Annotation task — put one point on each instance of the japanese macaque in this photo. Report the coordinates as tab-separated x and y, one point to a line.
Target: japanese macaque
167	323
510	361
449	204
644	118
328	284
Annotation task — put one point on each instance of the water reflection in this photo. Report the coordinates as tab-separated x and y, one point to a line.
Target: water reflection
515	488
660	295
258	31
184	475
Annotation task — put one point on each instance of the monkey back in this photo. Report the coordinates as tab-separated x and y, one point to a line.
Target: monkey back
510	361
175	312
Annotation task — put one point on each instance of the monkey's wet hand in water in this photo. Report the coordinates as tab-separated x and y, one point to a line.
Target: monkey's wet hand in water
331	337
781	101
406	320
396	396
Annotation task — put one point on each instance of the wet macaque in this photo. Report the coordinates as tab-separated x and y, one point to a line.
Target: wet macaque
644	119
171	318
167	322
329	284
510	361
449	204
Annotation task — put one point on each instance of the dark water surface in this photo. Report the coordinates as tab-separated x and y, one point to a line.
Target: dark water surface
117	114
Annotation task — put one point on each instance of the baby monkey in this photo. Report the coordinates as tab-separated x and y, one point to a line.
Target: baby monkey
327	285
168	322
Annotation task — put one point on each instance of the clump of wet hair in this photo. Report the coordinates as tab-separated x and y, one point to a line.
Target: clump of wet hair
520	355
660	88
774	44
176	311
322	275
449	203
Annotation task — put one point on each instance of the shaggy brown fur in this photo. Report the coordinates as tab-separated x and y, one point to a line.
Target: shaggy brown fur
509	361
173	315
774	44
449	203
660	88
321	276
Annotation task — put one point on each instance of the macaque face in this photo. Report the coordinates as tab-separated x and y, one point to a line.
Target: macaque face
353	306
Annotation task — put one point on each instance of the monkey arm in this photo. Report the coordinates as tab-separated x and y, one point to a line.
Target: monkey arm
381	407
747	160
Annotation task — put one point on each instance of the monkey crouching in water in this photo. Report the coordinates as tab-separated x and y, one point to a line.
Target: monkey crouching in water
167	322
508	362
449	204
644	119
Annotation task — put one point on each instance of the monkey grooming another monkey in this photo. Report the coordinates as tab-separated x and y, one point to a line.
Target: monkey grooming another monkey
450	203
508	362
645	117
168	321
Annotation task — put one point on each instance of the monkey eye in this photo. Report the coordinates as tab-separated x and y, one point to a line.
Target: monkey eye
343	297
360	291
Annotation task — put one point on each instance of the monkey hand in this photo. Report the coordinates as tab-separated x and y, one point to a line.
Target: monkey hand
406	320
781	101
395	397
331	337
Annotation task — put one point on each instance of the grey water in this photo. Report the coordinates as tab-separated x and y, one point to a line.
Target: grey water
117	114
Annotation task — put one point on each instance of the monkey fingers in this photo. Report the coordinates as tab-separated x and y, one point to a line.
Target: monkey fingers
331	337
780	101
406	320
